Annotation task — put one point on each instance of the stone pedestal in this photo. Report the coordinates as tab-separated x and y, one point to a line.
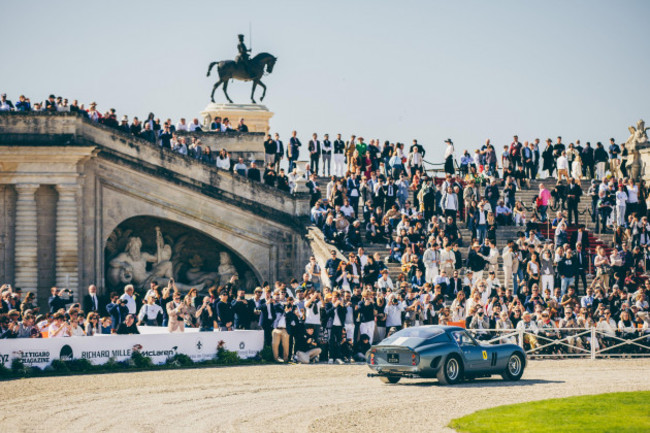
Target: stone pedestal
26	245
67	238
256	116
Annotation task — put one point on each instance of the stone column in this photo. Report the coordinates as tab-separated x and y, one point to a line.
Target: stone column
67	235
25	247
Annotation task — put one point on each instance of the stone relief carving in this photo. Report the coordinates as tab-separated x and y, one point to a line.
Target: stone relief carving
178	259
638	137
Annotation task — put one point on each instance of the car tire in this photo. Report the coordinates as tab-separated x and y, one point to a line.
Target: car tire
514	368
390	379
451	371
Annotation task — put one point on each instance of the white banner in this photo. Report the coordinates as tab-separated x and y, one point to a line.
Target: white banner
199	346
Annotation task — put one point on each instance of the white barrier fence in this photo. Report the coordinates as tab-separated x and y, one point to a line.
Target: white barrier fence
200	346
571	342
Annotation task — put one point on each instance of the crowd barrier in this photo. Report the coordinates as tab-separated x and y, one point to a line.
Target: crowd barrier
570	342
200	346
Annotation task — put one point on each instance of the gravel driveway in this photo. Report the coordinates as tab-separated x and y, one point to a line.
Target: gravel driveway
289	398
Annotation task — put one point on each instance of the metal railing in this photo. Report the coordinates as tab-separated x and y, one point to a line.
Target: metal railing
589	343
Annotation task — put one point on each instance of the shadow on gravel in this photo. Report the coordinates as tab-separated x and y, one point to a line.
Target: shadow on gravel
493	383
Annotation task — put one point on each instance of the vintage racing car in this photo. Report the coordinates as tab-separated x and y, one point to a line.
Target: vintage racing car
448	353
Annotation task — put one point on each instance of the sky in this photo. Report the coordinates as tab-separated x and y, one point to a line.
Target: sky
430	70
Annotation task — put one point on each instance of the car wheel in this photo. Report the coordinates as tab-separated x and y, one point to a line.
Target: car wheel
390	379
515	367
451	371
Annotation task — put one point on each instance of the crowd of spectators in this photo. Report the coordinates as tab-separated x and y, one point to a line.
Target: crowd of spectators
382	195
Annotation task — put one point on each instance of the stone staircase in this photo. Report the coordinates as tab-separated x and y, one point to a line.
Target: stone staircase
505	233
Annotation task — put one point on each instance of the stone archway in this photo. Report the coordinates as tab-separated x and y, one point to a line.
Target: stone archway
146	248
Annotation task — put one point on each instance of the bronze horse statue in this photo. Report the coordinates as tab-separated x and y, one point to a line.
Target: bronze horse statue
253	71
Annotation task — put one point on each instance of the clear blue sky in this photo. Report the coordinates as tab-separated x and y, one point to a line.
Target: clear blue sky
468	70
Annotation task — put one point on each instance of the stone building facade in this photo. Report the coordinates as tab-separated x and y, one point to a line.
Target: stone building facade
75	193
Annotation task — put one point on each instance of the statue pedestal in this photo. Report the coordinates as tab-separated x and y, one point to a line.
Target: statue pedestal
256	116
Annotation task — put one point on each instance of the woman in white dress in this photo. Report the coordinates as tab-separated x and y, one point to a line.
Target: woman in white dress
576	169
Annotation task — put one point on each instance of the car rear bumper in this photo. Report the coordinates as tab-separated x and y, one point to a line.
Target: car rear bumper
400	370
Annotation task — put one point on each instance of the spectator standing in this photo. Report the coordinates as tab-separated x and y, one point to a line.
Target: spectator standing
279	151
614	152
242	127
621	204
600	158
327	154
314	153
176	311
573	194
449	157
270	149
293	150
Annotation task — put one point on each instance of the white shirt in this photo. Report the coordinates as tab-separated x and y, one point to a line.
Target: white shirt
130	303
621	198
394	314
430	259
386	283
562	163
312	318
632	194
449	151
337	319
348	210
445	256
193	126
363	259
149	312
223	164
181	126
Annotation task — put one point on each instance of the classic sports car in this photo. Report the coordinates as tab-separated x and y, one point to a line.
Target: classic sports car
448	353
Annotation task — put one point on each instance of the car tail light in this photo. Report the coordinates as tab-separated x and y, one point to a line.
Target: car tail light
414	359
372	358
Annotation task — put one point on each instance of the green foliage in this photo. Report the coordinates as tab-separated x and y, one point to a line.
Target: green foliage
60	366
226	357
4	371
615	412
137	361
266	354
179	360
17	366
81	365
141	361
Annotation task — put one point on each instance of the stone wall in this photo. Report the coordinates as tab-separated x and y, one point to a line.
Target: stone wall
70	183
7	232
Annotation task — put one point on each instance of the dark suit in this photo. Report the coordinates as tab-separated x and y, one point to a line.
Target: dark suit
584	241
335	330
573	194
279	151
224	314
582	259
314	155
293	151
269	147
88	305
266	322
455	286
241	313
56	303
254	174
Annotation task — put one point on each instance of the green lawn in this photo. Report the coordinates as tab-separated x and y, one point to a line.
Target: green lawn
616	412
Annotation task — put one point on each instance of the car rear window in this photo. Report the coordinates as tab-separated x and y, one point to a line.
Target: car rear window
417	332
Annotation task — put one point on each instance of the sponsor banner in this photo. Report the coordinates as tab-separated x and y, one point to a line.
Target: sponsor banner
200	346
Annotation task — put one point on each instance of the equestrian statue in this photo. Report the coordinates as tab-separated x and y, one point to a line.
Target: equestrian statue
243	68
